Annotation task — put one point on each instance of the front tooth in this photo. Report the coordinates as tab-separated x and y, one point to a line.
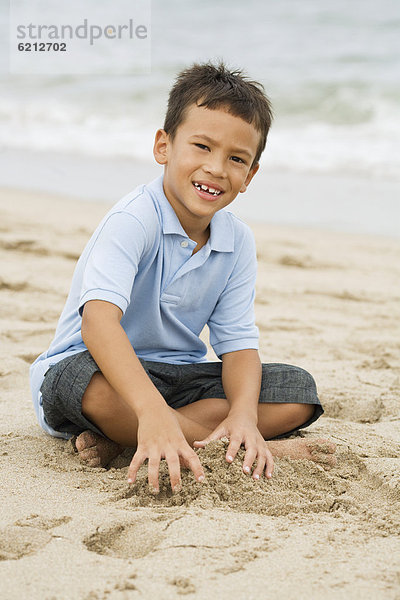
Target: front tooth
204	187
212	190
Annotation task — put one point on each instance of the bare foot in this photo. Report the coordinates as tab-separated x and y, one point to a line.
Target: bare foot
319	450
95	450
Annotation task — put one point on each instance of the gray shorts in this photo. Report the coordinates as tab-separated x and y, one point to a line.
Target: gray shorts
65	383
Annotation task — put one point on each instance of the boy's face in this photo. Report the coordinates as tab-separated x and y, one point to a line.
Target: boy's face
212	149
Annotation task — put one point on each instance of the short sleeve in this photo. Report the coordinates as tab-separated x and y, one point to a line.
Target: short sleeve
232	323
113	261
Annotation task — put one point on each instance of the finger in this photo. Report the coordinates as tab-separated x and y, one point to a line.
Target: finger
215	435
201	443
153	471
174	468
233	448
136	462
269	469
195	465
249	459
261	462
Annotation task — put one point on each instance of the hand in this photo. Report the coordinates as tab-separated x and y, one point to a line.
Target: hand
161	437
242	430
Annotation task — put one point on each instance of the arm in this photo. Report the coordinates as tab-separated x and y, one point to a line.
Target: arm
159	434
241	379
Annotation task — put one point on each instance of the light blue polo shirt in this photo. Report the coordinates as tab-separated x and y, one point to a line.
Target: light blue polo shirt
140	259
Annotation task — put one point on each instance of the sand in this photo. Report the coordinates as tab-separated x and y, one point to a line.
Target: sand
328	302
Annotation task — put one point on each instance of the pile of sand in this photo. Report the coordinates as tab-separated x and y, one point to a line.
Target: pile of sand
297	487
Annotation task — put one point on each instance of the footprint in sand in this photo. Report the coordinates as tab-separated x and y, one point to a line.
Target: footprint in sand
27	536
21	245
14	286
376	363
16	542
183	585
300	262
134	539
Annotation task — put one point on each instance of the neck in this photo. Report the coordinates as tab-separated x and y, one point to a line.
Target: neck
197	233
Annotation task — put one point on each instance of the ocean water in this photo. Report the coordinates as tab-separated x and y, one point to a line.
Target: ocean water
330	68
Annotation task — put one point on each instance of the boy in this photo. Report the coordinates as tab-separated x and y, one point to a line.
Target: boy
126	367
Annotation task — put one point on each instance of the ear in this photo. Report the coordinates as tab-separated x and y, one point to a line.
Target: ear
249	177
160	148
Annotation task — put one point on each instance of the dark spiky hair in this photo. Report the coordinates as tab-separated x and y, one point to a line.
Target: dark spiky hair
215	86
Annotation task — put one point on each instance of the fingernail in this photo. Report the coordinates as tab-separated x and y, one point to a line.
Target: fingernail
247	469
177	488
256	477
230	458
269	475
200	478
153	490
130	480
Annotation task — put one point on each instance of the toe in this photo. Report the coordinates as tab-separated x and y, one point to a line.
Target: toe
94	462
321	446
88	454
326	447
95	450
325	460
91	457
328	463
87	439
332	447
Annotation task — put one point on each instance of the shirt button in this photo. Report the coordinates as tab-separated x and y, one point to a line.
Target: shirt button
184	244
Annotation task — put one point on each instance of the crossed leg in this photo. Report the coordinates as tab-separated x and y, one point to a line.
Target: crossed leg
103	407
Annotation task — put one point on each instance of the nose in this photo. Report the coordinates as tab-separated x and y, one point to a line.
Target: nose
215	165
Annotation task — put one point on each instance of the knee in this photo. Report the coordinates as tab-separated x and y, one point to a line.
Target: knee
298	379
288	384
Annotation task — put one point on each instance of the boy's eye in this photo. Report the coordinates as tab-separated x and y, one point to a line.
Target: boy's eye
202	146
237	159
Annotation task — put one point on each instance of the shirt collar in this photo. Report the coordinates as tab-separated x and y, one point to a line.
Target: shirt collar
221	232
221	226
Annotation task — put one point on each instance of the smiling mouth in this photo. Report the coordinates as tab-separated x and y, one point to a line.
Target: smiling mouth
207	189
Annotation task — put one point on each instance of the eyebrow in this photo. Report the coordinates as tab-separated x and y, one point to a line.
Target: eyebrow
211	141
